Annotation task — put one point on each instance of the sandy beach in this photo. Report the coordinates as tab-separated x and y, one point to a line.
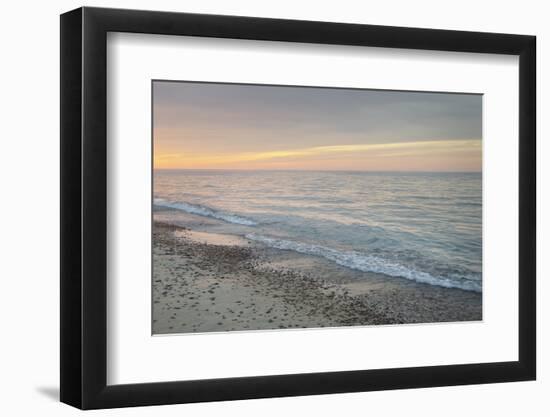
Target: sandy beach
211	282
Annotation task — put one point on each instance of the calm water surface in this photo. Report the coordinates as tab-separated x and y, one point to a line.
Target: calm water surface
425	227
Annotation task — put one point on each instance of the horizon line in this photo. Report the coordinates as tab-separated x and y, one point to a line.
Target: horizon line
315	170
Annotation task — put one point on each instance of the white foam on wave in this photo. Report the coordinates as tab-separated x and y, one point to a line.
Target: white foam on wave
204	211
366	263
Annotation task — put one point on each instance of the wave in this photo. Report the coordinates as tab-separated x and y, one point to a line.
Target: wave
205	211
368	263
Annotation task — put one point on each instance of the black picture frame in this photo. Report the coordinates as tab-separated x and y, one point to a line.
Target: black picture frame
84	207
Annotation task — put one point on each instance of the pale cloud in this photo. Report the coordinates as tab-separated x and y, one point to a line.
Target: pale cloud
295	157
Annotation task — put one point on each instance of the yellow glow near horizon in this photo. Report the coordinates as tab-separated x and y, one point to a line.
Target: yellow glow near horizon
421	155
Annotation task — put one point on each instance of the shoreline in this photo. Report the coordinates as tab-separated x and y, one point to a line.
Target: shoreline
211	282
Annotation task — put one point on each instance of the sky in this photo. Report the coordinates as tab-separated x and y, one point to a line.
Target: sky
240	126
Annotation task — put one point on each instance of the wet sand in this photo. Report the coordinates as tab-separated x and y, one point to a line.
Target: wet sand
207	282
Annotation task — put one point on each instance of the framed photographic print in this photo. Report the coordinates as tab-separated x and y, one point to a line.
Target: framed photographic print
256	207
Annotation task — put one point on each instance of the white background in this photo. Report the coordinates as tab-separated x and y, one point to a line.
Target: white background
29	218
134	356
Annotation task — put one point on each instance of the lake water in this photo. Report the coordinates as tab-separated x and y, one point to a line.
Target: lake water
425	227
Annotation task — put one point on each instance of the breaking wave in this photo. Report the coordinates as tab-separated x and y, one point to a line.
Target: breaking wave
369	263
205	211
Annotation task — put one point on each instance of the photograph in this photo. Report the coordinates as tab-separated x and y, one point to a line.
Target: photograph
281	207
280	204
